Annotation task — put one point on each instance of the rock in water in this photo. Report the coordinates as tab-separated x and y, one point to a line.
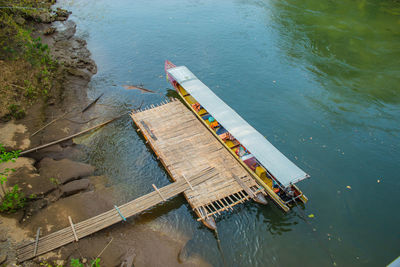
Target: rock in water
62	13
65	30
64	170
75	187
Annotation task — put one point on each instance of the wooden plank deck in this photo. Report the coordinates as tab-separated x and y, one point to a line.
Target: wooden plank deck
79	230
185	146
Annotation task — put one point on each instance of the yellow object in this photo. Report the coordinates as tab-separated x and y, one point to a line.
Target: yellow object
214	124
229	143
311	216
190	99
196	106
303	198
183	91
260	171
202	112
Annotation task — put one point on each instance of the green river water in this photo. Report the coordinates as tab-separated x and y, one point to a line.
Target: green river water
320	79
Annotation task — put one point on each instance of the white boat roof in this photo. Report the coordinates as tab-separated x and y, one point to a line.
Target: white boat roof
285	171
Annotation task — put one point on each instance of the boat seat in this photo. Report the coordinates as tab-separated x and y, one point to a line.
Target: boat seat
190	100
202	112
221	130
205	117
214	125
232	144
251	162
183	91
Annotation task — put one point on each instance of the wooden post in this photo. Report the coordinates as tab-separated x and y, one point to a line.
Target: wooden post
212	204
158	191
244	186
36	242
222	204
227	203
231	199
73	228
242	195
187	181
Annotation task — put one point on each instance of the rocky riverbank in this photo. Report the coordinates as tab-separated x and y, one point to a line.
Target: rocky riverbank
57	184
53	173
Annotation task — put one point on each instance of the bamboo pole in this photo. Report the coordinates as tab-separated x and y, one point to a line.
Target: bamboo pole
37	241
69	137
158	191
56	119
218	211
73	228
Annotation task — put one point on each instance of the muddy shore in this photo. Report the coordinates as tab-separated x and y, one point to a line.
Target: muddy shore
57	184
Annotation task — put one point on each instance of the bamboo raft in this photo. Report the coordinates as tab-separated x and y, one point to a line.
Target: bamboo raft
184	146
77	231
210	178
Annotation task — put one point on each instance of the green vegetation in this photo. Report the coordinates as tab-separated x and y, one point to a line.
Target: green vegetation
28	71
13	199
6	157
55	181
16	112
46	264
73	263
76	263
93	263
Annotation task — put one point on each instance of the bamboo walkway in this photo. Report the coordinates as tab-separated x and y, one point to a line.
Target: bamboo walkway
184	146
77	231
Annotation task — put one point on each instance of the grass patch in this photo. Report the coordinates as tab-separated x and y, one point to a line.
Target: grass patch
13	200
28	70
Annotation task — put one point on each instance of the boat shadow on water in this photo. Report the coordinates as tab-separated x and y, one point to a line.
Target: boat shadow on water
276	222
159	210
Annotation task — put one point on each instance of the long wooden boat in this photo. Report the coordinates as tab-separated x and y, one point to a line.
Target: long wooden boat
266	164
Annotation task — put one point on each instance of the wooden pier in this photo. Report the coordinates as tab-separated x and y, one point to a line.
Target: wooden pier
184	146
79	230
